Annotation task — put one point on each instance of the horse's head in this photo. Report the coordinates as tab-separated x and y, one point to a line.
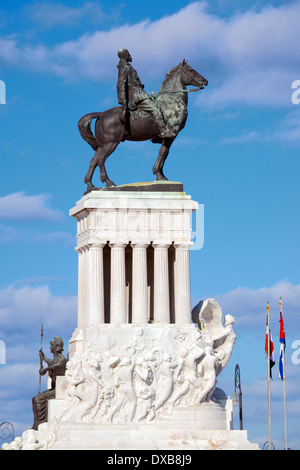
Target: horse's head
191	77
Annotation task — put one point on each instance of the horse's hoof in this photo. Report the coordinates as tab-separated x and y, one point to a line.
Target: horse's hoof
110	184
88	183
161	178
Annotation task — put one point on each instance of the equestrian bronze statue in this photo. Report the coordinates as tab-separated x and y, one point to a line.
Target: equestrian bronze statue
141	116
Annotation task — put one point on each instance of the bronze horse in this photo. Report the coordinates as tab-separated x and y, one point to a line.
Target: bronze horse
111	128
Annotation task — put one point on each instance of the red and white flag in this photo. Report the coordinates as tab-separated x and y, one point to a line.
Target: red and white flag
282	343
270	351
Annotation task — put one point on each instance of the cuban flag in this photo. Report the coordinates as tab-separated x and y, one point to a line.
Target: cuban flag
282	346
272	355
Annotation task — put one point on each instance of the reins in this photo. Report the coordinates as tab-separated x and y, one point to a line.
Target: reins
172	92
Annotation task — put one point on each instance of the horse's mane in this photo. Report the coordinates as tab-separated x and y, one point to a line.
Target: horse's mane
171	72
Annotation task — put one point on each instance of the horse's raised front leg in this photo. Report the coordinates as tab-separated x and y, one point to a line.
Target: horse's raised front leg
160	161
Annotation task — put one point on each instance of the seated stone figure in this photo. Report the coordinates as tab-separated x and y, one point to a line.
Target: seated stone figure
55	367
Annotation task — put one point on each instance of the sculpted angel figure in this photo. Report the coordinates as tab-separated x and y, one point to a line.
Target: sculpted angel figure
208	315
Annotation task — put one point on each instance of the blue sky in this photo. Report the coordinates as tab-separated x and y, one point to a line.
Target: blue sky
238	155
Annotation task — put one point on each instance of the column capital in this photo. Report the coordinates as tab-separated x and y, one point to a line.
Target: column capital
161	244
96	244
140	244
183	245
118	243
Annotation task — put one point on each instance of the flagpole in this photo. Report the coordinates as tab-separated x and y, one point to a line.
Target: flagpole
269	373
284	386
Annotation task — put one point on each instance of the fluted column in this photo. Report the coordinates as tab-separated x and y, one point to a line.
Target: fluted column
118	283
182	284
139	283
161	283
96	284
82	285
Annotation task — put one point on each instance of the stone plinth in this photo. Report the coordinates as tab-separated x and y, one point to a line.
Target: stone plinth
207	426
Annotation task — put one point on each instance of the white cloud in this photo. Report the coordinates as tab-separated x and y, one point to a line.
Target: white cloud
49	15
286	130
248	306
23	308
19	206
250	58
13	375
244	138
9	234
54	237
289	128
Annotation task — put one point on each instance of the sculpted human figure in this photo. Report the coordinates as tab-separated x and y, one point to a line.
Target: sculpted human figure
77	383
55	367
109	364
30	441
126	395
145	393
181	385
225	341
75	380
191	364
139	340
208	315
94	389
207	372
165	379
132	96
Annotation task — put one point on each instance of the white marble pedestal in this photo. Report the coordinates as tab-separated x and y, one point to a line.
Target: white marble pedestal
141	373
133	257
164	396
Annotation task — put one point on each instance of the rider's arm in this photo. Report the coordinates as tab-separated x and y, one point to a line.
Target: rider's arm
121	85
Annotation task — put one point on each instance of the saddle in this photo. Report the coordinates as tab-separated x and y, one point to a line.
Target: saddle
126	115
132	113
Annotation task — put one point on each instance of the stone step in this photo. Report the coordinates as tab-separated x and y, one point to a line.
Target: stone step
71	437
198	413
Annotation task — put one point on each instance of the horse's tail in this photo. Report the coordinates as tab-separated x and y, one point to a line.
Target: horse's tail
84	126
